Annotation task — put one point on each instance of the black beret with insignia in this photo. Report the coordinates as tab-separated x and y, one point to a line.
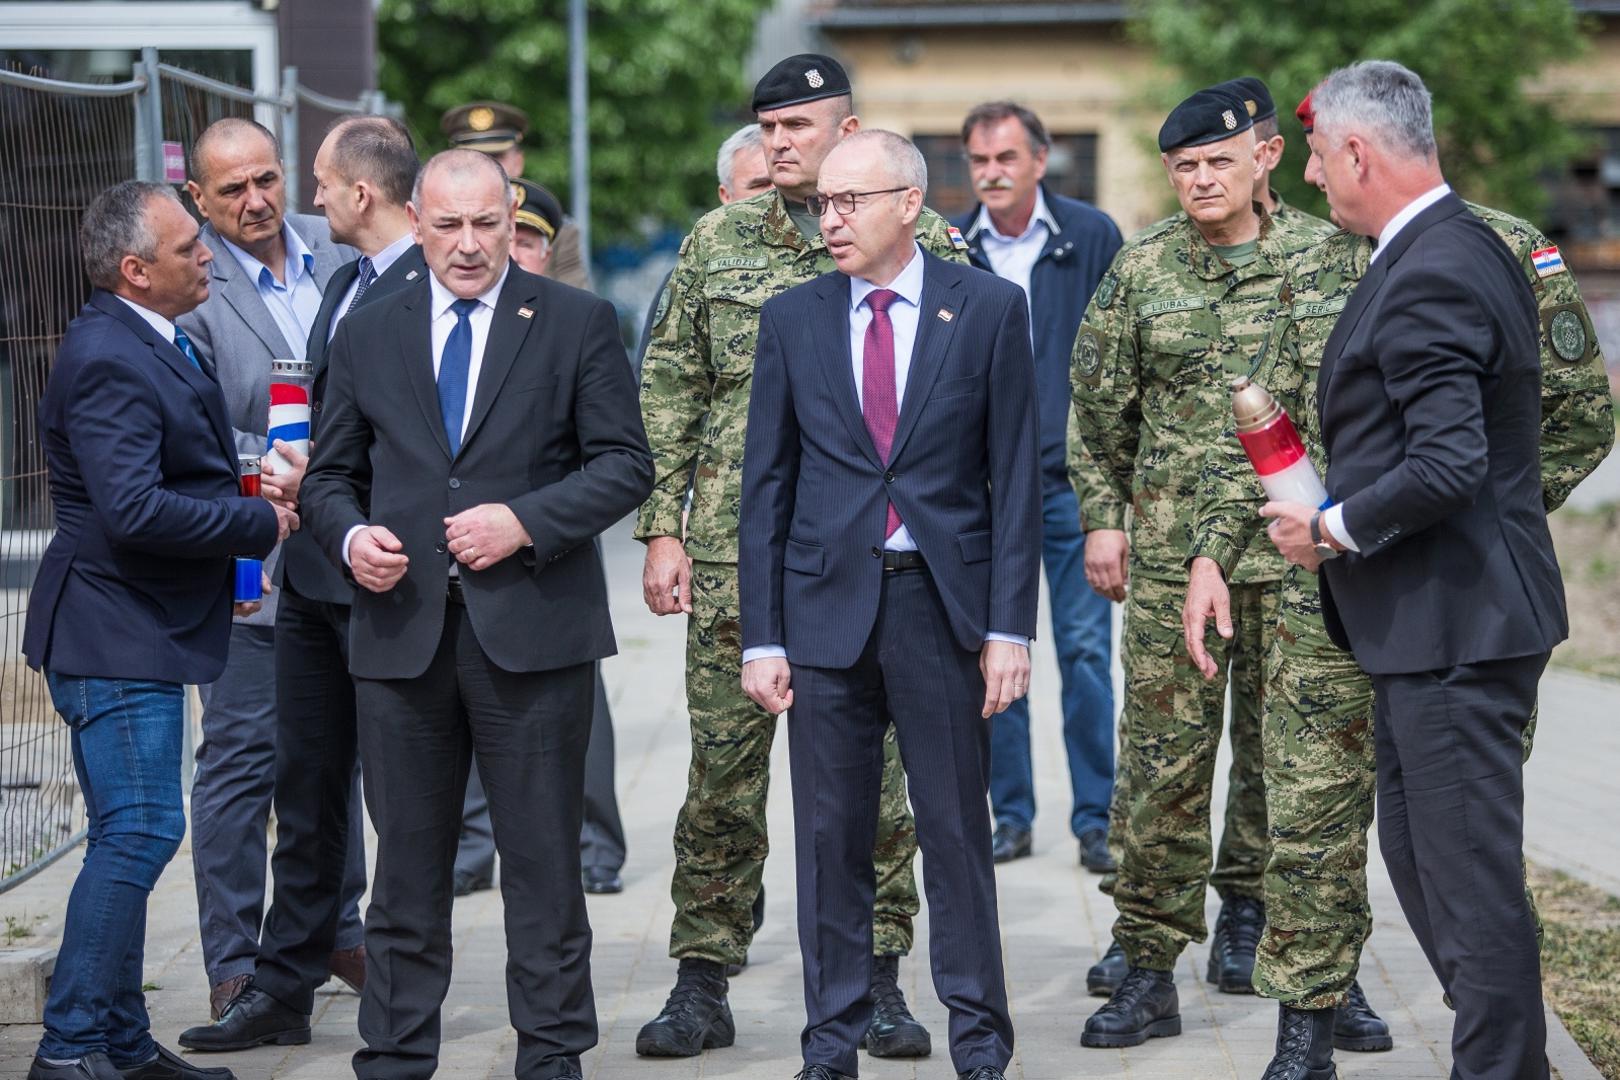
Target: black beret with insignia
537	208
1210	115
798	79
489	126
1253	93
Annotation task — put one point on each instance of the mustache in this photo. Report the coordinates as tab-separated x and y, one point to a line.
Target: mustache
998	183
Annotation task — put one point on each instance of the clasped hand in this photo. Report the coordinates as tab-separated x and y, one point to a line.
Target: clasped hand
478	538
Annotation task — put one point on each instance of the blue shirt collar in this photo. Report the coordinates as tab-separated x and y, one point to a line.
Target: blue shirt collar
908	283
300	261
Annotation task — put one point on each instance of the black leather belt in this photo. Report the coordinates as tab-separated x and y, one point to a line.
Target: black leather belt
896	561
453	591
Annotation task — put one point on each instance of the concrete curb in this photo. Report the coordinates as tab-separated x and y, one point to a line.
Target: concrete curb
25	977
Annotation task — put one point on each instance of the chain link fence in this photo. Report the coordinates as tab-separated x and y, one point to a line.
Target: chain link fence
61	143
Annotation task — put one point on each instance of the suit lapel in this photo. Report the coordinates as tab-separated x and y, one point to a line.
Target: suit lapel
839	367
415	335
242	294
941	296
337	285
507	330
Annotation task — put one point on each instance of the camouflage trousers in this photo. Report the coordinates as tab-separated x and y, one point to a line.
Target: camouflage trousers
1169	732
720	839
1320	780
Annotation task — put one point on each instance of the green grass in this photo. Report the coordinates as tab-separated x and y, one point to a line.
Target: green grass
1580	963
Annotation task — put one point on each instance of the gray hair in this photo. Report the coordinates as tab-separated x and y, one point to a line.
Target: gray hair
906	164
1383	98
746	137
116	225
459	161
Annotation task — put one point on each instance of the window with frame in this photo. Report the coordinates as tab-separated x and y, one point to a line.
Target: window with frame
1071	169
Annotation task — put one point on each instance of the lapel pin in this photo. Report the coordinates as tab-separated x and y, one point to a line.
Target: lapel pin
946	315
525	313
411	276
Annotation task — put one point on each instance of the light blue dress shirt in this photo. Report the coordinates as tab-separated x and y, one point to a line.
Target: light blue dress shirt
295	300
380	263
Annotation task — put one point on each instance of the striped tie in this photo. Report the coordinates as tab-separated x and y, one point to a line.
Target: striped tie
368	274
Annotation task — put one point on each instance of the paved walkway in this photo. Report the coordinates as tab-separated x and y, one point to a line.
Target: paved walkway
1054	924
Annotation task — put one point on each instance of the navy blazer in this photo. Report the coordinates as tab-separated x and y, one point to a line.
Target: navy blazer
1060	286
136	582
962	470
1430	402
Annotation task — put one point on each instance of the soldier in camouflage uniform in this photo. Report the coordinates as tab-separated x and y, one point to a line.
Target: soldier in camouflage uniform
1183	309
1317	726
694	399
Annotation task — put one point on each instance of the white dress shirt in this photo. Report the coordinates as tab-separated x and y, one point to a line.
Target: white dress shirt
295	300
903	315
1014	257
1333	516
153	319
380	263
444	321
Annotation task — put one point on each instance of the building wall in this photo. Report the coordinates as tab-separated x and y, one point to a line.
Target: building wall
333	44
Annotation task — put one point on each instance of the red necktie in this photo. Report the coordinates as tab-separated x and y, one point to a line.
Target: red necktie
880	404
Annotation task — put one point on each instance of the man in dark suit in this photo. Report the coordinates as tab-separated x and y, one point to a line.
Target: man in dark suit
363	175
890	563
462	492
1438	571
268	271
132	601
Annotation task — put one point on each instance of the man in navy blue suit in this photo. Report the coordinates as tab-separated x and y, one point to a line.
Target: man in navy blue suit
889	566
132	602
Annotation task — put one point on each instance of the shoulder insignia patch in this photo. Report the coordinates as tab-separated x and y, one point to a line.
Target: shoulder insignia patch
1088	356
1566	332
737	262
1164	307
1106	289
956	238
1547	262
663	306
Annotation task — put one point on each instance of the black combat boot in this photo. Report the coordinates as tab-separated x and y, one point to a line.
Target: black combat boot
1144	1007
893	1032
1106	974
1304	1045
1231	951
696	1016
1356	1027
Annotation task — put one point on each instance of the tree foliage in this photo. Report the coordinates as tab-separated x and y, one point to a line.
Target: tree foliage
1496	141
666	86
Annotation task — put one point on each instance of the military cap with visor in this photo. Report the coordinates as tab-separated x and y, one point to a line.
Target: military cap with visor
1209	115
491	127
537	208
798	79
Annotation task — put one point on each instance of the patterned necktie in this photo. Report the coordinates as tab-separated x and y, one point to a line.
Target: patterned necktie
880	404
368	274
183	343
453	367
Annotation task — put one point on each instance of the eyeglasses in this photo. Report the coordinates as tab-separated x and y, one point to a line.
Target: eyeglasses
845	201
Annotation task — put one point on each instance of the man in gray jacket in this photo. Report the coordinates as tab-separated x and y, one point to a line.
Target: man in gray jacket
268	273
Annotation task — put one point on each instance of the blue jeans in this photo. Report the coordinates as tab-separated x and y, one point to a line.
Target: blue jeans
126	752
1081	634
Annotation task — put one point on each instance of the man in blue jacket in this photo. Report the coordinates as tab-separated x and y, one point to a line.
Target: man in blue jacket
132	601
1056	249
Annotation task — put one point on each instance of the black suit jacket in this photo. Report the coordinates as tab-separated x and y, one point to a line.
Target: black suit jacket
1430	402
136	581
312	574
963	471
554	434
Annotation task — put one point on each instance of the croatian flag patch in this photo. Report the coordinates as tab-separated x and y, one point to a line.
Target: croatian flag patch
1547	262
955	235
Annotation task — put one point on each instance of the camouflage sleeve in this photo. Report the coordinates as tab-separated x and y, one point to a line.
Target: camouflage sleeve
1577	411
1227	517
676	384
1090	487
937	237
1107	406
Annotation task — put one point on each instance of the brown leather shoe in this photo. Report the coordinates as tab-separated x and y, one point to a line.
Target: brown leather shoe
223	993
349	967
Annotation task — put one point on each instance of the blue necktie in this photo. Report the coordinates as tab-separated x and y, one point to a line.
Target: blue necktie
183	343
453	366
368	274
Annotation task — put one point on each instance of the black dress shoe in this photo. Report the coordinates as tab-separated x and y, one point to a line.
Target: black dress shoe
1357	1028
1010	843
820	1072
893	1031
467	884
1094	852
1106	974
1144	1007
601	879
254	1019
1231	950
983	1072
171	1066
696	1016
1304	1046
95	1066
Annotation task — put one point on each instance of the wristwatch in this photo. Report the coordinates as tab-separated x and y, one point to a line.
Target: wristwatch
1324	550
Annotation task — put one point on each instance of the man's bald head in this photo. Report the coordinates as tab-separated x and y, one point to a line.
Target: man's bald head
461	167
229	132
461	213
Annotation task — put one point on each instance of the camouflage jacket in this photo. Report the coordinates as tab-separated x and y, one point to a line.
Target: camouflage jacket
700	360
1171	324
1298	221
1577	413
